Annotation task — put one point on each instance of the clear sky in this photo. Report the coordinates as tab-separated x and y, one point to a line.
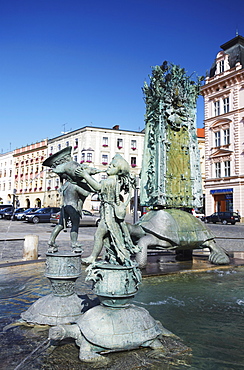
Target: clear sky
66	64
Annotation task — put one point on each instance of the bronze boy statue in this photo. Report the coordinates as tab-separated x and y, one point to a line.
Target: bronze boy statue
74	191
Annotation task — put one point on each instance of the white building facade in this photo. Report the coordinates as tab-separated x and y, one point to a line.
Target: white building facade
22	173
29	177
224	130
95	147
6	178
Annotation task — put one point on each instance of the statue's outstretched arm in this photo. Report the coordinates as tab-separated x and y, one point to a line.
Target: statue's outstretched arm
89	179
81	191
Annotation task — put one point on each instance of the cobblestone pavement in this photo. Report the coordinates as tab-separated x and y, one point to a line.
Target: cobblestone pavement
12	234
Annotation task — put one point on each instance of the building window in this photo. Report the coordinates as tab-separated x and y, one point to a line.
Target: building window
221	66
226	103
217	138
119	143
75	158
82	157
104	159
67	143
216	108
218	169
133	161
89	157
226	136
76	144
133	144
105	141
227	168
59	146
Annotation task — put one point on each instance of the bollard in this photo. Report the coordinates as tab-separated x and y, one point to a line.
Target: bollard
30	250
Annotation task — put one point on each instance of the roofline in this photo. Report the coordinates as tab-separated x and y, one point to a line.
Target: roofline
236	40
94	127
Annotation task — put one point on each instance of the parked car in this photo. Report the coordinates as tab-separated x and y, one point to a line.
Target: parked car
198	214
87	219
11	212
3	210
41	215
4	206
224	217
21	215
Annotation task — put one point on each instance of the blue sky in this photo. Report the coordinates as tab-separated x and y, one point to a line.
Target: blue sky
75	63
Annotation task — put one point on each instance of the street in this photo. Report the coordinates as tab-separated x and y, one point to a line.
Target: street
11	249
230	237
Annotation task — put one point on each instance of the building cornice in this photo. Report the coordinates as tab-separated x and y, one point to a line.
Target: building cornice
93	128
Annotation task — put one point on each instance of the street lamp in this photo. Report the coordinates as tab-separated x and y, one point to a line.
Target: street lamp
135	213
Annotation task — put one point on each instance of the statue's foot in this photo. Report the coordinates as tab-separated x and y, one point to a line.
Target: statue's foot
76	248
91	357
88	260
218	256
52	248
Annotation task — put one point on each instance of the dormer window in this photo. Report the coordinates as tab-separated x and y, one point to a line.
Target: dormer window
221	66
222	62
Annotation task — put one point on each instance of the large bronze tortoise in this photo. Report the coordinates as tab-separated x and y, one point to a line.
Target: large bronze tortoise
174	229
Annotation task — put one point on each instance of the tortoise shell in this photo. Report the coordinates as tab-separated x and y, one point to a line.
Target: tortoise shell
121	328
176	226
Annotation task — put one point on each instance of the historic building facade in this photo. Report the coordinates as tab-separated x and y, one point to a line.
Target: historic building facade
22	176
223	94
201	146
95	147
29	177
6	178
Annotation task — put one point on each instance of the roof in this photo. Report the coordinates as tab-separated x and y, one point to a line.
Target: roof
235	49
201	132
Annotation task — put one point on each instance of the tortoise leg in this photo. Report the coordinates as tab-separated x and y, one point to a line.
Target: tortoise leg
144	242
88	353
217	256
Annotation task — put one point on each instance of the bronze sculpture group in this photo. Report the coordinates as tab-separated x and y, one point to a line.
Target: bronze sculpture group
170	180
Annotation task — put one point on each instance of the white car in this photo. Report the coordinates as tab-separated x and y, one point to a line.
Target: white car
88	219
198	214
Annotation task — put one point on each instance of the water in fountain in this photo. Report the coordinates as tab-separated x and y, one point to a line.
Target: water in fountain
205	310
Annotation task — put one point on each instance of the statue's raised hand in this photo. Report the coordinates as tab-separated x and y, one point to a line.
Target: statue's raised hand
80	172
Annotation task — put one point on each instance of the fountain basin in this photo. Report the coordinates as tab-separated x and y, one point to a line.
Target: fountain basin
204	309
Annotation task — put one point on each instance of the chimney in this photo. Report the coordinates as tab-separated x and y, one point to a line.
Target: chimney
116	127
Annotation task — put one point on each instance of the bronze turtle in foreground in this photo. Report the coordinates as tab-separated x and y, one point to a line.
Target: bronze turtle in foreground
107	329
174	229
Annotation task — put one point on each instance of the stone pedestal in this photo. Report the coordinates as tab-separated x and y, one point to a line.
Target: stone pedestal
63	305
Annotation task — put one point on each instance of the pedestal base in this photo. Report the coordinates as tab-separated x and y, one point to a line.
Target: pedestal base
63	306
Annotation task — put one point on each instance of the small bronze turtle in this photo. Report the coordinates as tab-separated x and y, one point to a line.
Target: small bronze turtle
107	329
